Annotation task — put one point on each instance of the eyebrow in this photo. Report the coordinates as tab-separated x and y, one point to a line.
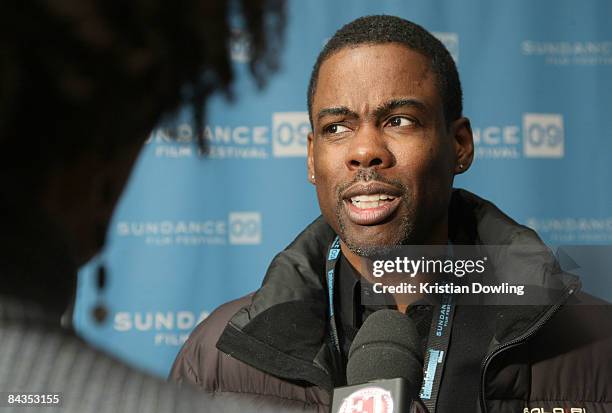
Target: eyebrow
378	112
390	105
340	110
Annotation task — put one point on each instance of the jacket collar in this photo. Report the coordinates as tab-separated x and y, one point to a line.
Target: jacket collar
284	331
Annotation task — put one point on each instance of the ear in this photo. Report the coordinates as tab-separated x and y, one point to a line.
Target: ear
310	159
461	131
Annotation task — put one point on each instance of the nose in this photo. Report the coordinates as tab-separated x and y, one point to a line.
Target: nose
368	149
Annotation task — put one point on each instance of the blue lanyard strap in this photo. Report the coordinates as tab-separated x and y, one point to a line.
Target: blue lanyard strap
437	350
333	254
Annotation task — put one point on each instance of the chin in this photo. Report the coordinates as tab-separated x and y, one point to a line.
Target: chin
366	245
365	240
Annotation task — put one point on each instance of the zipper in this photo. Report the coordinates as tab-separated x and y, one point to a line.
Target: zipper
519	340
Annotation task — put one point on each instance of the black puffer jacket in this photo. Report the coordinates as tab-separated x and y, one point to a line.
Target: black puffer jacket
550	358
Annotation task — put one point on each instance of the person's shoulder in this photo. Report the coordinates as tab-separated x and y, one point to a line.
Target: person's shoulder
199	353
207	333
587	314
202	364
584	298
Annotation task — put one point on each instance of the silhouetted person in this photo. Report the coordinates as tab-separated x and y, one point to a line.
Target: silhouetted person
82	83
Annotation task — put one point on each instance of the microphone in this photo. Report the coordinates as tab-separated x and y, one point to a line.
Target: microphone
385	366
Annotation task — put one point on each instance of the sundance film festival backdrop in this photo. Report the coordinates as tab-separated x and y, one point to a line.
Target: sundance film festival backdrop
192	233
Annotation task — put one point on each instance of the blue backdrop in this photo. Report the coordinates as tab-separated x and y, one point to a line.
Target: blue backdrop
192	233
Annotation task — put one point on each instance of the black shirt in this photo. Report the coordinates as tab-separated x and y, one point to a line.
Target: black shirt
351	313
471	334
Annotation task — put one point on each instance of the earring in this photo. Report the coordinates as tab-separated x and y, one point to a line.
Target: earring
100	312
460	166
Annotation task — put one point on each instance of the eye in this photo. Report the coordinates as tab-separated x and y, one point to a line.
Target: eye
399	121
335	128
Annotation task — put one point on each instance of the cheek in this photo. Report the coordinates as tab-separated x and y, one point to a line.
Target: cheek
326	187
327	164
425	167
328	177
416	156
328	201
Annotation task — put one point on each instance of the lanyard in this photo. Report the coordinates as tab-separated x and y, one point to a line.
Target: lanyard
333	254
439	332
437	351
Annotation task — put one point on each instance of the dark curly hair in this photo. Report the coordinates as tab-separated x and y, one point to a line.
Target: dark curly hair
80	75
381	29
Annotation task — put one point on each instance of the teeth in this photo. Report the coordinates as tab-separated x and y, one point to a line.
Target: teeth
370	201
366	204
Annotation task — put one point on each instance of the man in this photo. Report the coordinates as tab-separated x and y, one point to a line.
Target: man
388	137
82	83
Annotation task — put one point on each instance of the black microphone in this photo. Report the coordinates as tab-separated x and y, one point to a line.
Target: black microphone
385	366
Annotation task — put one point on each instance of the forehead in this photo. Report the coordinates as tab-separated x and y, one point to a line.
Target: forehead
369	75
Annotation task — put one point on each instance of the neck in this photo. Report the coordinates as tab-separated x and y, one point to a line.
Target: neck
355	260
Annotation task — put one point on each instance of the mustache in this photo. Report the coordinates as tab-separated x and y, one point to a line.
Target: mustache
367	175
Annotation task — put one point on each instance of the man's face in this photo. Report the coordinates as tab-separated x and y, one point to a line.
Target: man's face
382	157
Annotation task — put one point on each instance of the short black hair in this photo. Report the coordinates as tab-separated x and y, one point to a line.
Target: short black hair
379	29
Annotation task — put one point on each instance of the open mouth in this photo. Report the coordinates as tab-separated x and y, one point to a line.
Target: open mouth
371	204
